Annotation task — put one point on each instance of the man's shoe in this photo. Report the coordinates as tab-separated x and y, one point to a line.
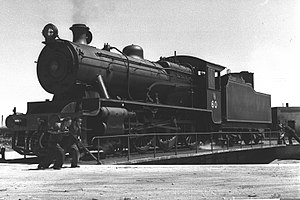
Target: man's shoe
56	168
42	167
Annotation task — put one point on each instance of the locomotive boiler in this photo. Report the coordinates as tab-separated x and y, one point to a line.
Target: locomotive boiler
119	92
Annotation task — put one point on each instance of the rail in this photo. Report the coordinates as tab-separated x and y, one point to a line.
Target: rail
268	138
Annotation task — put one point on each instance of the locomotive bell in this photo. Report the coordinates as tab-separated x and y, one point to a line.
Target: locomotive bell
81	34
134	51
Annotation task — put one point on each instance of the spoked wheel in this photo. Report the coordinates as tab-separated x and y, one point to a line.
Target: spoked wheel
39	143
192	141
143	143
166	143
110	146
257	138
246	138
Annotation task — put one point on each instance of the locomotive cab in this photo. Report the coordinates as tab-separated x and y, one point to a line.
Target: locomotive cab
206	84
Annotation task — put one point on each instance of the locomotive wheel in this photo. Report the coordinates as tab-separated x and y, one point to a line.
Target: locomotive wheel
166	143
143	143
192	141
109	146
39	143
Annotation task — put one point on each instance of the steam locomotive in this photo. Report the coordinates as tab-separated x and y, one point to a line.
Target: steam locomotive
119	92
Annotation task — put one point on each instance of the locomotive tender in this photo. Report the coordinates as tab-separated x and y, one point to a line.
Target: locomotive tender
119	92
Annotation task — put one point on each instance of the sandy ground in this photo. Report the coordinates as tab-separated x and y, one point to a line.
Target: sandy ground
277	180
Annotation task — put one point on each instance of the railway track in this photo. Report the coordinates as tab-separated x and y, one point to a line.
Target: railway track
180	151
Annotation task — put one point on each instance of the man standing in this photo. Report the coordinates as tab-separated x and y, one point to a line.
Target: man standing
291	133
71	140
281	133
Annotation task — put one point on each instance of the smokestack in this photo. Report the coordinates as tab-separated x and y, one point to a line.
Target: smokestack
81	34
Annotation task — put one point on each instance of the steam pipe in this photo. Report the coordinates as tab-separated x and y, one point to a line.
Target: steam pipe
128	71
100	83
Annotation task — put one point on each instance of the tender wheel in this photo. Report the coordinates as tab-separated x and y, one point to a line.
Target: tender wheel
247	139
257	138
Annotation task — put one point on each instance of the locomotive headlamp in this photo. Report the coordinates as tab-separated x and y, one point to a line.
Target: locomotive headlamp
50	32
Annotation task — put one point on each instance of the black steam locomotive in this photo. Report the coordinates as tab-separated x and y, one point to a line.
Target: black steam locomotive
119	92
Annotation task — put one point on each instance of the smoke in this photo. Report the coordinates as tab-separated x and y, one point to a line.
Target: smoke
79	12
88	11
265	2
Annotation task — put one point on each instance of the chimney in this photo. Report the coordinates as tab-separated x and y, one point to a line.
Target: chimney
81	34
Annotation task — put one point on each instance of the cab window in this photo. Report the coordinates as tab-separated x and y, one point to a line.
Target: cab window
213	79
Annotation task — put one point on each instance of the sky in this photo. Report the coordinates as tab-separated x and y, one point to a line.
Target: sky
260	36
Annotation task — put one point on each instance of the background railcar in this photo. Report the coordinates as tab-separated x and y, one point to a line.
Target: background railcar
286	115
